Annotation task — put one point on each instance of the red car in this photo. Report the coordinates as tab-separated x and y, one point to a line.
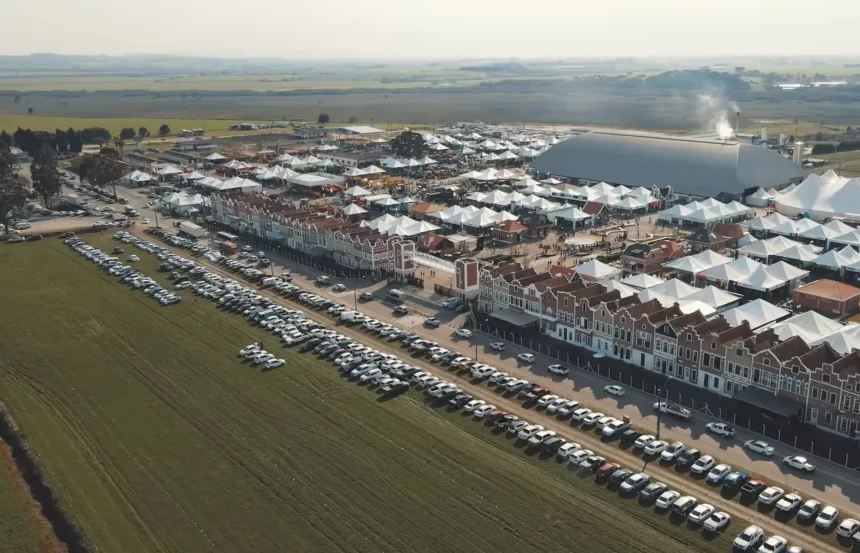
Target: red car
606	471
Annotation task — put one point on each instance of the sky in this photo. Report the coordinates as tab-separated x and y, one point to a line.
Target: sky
437	29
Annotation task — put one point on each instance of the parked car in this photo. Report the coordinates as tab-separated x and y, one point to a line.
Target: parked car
614	390
771	495
497	346
717	522
759	446
667	499
721	429
809	510
827	517
558	369
749	538
652	491
718	473
799	463
526	357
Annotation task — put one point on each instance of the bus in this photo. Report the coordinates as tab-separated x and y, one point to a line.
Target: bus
227	237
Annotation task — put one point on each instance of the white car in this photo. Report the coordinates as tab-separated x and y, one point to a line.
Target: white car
826	517
580	414
789	502
483	411
463	333
541	437
655	447
558	369
759	446
774	544
259	359
749	538
672	452
546	400
702	465
643	441
253	348
799	463
133	258
578	456
716	522
635	482
614	390
720	428
592	418
567	450
848	528
275	363
372	373
667	499
770	495
556	404
700	513
529	431
718	474
614	427
568	408
526	357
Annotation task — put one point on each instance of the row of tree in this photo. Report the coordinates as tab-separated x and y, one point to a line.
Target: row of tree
13	187
70	140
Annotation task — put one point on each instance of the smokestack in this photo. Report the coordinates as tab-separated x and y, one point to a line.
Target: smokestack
764	134
737	122
798	153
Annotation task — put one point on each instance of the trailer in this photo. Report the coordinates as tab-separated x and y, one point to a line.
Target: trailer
192	229
674	410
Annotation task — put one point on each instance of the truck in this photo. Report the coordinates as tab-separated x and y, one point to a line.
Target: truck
674	410
192	229
229	248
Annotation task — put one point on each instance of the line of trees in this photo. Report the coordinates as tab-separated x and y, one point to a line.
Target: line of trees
71	140
13	188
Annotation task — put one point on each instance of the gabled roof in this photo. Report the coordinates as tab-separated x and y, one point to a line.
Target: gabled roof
793	347
642	281
830	289
757	313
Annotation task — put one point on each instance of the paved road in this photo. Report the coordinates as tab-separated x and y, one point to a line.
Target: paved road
589	440
830	483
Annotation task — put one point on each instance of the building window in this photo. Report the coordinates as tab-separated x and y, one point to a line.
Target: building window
814	392
757	376
706	359
689	337
695	357
565	302
856	407
716	383
846	403
687	353
795	369
813	413
825	378
832	398
828	418
766	361
718	363
739	352
623	320
694	375
746	372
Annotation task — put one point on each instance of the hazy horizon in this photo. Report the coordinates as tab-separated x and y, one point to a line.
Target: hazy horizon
446	29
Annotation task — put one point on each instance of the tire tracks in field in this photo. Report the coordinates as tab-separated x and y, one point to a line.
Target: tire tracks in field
564	430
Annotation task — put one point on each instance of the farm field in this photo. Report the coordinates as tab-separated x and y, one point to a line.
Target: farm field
11	121
155	438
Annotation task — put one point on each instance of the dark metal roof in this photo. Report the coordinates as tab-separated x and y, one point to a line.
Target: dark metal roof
690	166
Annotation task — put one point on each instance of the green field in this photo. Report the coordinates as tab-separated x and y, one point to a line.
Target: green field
157	439
11	121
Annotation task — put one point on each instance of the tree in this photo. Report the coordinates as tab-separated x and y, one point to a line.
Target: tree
102	169
323	118
17	99
353	119
13	189
126	133
61	140
45	176
143	132
163	130
95	135
30	110
819	136
119	144
408	144
5	141
76	145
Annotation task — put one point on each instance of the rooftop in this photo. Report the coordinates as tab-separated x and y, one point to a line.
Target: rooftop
829	289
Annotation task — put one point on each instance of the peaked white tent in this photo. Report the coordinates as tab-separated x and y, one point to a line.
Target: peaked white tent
810	326
757	313
356	191
354	209
597	270
215	156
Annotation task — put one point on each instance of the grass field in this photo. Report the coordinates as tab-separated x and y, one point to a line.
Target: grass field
156	438
11	121
21	529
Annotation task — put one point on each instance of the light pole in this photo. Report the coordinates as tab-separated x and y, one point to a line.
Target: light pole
662	387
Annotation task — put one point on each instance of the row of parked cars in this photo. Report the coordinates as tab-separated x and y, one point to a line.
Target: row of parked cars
389	373
128	274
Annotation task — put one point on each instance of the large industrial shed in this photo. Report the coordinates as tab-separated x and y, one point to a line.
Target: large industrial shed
690	166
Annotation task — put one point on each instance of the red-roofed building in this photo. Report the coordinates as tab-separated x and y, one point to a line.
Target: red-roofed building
828	296
509	231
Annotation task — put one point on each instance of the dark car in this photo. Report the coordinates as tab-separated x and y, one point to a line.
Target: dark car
552	445
33	238
448	357
460	400
311	344
653	491
365	296
504	421
620	476
411	338
322	345
753	488
629	436
493	416
607	470
395	336
432	321
735	480
687	458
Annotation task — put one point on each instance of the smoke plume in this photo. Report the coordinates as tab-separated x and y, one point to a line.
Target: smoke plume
715	111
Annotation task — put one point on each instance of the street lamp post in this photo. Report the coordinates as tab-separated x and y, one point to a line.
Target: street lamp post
662	387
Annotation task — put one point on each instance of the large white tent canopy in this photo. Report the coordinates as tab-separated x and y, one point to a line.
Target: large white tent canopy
821	197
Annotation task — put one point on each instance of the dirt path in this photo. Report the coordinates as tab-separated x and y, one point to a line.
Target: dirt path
587	439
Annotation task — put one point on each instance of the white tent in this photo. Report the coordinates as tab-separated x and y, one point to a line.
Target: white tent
215	156
354	172
821	197
373	170
768	222
438	147
551	181
354	209
169	170
757	313
793	227
731	272
568	213
766	248
785	272
760	198
466	151
714	297
427	161
387	202
800	252
677	211
597	270
760	280
508	155
810	326
356	191
631	203
642	281
486	175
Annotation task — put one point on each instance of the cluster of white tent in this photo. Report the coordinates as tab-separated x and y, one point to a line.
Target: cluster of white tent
185	203
136	178
235	183
399	226
490	174
776	223
821	197
364	171
749	273
707	211
515	146
275	172
471	216
394	163
762	197
303	163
